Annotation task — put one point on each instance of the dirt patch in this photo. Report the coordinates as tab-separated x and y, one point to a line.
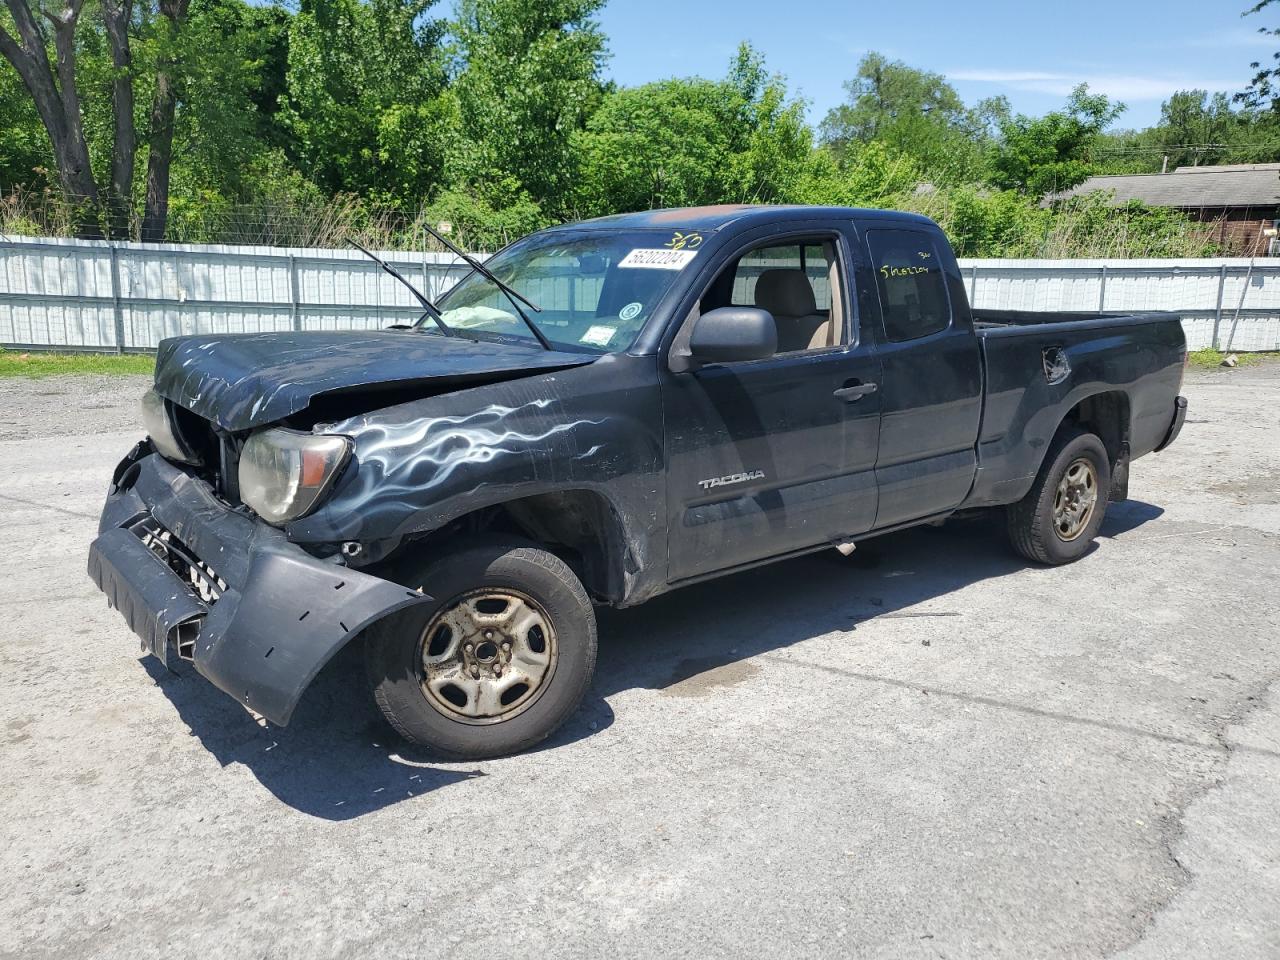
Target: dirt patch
1257	488
699	677
62	406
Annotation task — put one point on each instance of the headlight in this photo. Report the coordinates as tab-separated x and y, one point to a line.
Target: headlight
284	473
155	417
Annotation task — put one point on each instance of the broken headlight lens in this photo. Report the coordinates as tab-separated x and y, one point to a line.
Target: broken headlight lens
159	424
284	473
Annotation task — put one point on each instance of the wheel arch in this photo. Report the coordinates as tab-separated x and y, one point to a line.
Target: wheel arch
1107	414
580	525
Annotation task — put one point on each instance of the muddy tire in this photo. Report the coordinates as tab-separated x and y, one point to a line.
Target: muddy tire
497	663
1057	520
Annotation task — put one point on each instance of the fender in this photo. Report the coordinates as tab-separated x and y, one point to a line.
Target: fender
420	465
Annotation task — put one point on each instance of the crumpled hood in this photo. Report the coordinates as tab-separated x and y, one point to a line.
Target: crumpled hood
247	380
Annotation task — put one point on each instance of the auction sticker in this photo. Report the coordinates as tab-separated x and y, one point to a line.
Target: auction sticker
598	336
648	258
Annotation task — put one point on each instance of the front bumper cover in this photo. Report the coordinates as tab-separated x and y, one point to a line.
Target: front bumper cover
282	613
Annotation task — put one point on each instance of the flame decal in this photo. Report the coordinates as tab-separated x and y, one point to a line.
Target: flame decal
401	460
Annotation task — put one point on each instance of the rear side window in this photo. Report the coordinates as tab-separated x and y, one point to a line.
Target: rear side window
911	283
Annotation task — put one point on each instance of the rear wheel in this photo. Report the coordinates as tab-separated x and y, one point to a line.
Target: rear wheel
1059	517
497	663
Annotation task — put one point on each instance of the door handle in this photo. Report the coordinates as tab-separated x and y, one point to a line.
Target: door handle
855	391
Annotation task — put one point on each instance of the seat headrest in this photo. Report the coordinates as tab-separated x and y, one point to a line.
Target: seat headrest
785	293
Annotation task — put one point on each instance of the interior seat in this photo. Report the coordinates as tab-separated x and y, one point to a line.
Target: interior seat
788	295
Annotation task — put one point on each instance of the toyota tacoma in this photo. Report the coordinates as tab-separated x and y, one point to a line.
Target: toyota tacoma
601	412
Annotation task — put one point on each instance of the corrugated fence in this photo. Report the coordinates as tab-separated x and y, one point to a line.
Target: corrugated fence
1228	303
101	296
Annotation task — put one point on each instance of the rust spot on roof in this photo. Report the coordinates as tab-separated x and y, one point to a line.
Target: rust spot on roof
682	214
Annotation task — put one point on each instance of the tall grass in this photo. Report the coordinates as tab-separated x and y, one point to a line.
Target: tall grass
981	223
327	223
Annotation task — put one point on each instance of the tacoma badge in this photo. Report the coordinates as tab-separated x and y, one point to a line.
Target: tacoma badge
731	478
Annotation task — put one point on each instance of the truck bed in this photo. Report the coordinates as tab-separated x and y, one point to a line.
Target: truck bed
1133	360
1005	322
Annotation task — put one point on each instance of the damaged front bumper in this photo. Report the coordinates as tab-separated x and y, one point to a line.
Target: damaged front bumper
258	615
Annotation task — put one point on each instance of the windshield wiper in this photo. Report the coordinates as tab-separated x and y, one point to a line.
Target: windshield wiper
513	295
431	308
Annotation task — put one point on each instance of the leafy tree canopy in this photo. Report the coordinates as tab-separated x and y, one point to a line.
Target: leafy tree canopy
1047	154
307	122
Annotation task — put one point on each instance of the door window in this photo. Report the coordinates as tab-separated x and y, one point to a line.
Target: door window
797	282
911	283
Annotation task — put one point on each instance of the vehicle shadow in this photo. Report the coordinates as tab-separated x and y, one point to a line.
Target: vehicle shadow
338	759
687	641
1128	515
688	637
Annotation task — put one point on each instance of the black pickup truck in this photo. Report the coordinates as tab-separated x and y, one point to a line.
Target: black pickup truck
604	411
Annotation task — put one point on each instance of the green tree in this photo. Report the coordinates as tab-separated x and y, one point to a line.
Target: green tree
1051	153
771	144
875	176
1263	91
364	108
126	80
662	144
912	112
24	145
694	141
53	86
529	79
1196	128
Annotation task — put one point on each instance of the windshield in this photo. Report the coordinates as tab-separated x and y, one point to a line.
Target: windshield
596	288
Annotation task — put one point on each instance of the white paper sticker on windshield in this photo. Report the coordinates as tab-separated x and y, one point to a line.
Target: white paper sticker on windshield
658	259
598	336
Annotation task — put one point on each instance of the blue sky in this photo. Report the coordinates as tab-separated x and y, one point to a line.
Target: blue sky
1032	52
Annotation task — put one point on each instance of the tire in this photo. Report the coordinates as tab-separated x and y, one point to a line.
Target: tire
1035	529
449	676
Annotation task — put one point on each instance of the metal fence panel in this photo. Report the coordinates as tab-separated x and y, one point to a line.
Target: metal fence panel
99	295
1228	303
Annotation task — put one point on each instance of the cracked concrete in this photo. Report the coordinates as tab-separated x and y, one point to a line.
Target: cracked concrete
1227	850
930	749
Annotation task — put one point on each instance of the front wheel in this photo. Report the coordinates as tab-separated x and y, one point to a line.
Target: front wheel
501	659
1057	520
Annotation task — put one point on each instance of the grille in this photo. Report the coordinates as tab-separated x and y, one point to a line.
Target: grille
202	578
218	451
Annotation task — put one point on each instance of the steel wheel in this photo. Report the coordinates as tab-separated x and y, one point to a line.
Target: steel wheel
1075	499
487	656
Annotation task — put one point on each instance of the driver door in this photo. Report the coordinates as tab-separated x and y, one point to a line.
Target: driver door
772	456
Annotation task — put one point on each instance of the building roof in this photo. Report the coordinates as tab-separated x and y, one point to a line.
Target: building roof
1237	185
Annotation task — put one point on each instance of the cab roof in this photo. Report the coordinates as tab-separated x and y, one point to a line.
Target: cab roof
712	218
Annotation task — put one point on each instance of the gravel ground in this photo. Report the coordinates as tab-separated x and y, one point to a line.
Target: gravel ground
82	406
931	749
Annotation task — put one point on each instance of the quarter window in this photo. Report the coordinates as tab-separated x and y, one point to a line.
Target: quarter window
911	283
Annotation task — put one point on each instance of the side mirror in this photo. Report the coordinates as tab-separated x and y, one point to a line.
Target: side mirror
727	334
